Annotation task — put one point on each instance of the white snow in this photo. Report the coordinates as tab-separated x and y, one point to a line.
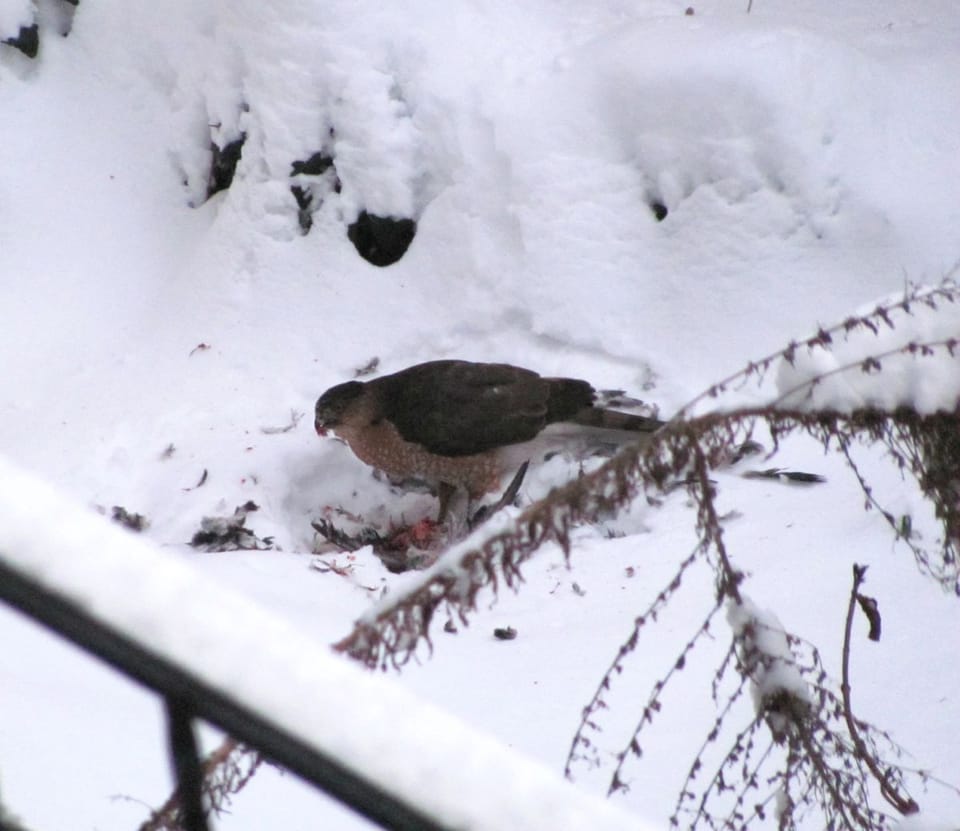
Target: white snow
808	157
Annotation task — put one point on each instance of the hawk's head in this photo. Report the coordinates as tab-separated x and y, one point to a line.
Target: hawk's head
333	404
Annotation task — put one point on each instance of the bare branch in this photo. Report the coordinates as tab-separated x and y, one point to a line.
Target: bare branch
904	804
596	703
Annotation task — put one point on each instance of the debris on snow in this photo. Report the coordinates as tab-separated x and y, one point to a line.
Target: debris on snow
342	539
200	482
295	417
368	368
229	533
129	520
791	476
402	549
412	546
331	566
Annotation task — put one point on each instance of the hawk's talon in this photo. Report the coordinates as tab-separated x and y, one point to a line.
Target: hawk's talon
484	512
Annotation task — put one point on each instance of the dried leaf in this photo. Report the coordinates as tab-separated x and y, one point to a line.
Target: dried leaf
872	611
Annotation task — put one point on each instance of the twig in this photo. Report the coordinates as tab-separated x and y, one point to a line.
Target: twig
709	522
616	665
710	738
815	757
653	701
904	804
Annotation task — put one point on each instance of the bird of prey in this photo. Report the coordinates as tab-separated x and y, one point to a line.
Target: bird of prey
463	426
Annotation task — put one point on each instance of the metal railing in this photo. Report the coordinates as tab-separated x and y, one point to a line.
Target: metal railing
188	698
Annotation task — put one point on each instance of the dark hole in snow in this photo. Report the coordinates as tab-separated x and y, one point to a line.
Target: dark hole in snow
659	210
381	240
303	199
27	40
302	195
317	164
223	164
309	193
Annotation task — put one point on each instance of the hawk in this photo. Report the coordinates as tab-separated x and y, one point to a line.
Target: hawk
463	426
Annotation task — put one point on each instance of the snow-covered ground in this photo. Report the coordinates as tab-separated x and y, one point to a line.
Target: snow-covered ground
807	157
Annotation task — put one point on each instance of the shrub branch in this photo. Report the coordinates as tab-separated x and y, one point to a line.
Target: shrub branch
226	772
904	804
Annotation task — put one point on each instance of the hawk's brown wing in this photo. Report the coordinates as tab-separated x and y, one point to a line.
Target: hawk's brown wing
458	408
